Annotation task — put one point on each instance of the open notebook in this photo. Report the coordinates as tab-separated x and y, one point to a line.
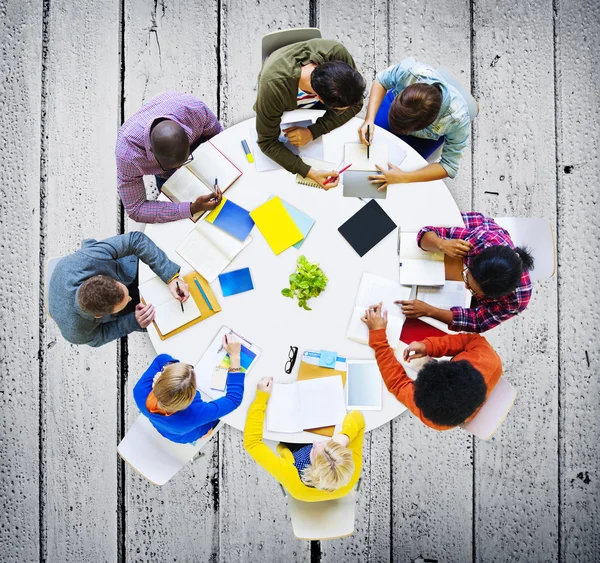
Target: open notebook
451	294
417	266
209	250
169	315
317	165
372	290
197	178
311	403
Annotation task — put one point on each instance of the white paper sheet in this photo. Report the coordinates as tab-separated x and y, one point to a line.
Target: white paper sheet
356	153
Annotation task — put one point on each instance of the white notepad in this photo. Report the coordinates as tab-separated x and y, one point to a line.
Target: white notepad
198	177
356	153
209	250
451	294
312	403
317	165
372	290
314	149
417	266
168	315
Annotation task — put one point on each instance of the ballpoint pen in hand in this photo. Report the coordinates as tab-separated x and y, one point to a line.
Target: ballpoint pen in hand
368	139
180	295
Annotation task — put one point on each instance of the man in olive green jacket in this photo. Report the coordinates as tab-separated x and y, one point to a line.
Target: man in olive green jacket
321	70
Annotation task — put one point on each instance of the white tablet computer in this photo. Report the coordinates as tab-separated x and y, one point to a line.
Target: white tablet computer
363	386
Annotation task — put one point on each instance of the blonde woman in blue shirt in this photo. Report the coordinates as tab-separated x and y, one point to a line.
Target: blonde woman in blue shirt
413	101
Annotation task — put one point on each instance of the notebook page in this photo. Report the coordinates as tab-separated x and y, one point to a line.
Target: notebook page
209	163
226	244
359	332
184	186
374	289
451	294
321	401
409	249
199	252
356	153
155	291
283	409
422	272
169	315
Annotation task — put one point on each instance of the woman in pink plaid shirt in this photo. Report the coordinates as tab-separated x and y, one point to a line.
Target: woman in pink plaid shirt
494	271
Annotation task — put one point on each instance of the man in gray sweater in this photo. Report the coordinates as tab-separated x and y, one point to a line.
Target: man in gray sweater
89	291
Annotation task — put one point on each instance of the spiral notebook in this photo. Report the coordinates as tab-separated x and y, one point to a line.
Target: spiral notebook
317	165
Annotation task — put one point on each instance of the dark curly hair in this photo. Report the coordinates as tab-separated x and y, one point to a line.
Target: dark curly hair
415	108
447	393
498	269
338	84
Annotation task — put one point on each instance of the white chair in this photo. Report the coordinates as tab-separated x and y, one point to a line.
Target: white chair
325	520
155	457
537	235
493	412
50	267
277	39
471	102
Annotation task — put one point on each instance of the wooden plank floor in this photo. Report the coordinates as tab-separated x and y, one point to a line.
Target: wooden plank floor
73	71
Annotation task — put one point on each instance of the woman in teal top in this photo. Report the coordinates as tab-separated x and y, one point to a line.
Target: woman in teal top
412	101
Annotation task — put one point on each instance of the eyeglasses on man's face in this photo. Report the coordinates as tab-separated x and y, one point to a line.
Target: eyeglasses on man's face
465	279
186	161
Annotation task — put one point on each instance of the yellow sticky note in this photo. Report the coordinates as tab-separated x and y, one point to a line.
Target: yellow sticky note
215	212
276	225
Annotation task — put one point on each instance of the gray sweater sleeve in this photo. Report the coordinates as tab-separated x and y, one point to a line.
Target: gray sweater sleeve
138	244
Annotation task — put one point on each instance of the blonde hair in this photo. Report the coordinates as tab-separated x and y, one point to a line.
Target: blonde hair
331	470
175	388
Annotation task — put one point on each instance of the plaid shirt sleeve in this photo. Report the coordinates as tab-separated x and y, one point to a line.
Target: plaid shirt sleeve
492	312
133	196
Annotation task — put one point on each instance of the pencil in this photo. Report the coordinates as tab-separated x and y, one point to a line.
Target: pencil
368	138
203	294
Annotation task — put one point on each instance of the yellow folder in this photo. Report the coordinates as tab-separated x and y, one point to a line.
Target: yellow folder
276	225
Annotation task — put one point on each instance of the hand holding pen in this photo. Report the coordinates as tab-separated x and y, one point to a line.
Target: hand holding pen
207	202
179	290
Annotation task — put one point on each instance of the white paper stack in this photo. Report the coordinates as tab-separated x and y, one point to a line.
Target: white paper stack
372	290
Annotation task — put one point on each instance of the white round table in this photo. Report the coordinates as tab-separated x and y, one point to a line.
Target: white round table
274	322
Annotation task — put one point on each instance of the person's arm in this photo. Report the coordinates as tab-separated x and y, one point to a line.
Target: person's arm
392	372
376	96
433	238
455	142
354	427
450	344
106	332
133	196
253	437
269	109
220	407
138	244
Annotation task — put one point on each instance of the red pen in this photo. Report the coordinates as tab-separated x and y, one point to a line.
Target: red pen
329	180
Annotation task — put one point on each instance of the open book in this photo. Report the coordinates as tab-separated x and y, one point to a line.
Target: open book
197	178
417	266
311	403
451	294
372	290
209	250
169	315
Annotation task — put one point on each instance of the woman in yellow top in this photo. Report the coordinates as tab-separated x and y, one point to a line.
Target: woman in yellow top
324	470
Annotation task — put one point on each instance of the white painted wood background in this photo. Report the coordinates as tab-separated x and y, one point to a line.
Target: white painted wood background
72	71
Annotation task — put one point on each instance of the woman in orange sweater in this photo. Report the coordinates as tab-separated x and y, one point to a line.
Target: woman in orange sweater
444	394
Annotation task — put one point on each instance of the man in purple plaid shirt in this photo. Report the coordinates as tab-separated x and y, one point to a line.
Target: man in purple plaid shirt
495	272
157	140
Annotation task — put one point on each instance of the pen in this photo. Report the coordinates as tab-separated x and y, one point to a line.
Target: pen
216	186
329	180
203	294
246	148
180	295
368	138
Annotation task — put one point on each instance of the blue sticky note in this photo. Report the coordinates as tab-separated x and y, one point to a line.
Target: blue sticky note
234	220
327	359
237	281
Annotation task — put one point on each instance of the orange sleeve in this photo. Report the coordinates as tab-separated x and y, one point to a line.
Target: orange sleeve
450	344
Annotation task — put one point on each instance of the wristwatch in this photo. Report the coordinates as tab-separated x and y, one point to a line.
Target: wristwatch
234	370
